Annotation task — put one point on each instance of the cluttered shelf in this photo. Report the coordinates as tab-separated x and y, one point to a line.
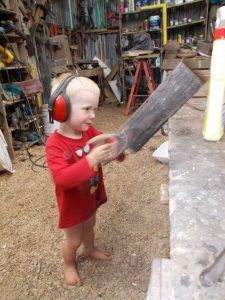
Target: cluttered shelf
183	4
6	14
25	124
13	68
10	37
186	24
102	31
138	31
143	9
17	100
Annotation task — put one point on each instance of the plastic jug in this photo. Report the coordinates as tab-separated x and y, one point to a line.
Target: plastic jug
213	126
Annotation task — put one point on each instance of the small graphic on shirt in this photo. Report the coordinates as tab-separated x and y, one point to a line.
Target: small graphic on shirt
93	189
94	184
95	168
67	154
82	150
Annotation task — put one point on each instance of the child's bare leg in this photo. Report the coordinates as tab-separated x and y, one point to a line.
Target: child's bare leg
88	241
74	237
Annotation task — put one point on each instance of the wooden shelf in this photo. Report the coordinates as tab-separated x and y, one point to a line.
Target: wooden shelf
11	129
143	9
11	102
25	123
102	31
6	14
9	37
132	32
186	24
184	4
13	68
16	100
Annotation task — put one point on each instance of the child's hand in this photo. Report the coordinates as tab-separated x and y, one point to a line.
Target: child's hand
102	153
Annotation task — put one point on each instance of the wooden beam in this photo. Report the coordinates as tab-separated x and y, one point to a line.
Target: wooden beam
193	63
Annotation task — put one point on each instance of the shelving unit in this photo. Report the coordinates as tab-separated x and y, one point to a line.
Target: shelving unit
98	34
187	19
133	23
18	113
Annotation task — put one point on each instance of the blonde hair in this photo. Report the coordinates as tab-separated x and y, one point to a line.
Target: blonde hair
75	85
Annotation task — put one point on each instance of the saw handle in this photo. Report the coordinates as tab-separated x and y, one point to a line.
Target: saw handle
106	138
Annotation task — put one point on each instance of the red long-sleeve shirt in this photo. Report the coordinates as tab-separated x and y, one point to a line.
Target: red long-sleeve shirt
79	188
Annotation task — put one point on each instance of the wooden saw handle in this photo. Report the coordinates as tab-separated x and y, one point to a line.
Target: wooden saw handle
101	139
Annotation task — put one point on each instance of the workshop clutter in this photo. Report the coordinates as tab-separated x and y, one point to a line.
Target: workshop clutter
132	5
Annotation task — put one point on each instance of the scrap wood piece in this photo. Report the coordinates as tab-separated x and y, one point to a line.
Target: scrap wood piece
137	52
31	86
179	86
114	71
203	91
205	48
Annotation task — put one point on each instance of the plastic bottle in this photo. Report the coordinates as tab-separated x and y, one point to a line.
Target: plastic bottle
213	126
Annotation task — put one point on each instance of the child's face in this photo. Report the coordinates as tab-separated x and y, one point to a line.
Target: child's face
83	108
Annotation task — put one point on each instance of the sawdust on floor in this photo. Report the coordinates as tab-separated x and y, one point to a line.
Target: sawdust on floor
132	225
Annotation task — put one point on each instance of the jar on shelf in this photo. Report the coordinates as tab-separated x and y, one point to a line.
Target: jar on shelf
144	2
122	6
145	24
138	6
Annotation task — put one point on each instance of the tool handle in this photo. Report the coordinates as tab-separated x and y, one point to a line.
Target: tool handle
210	275
108	138
100	139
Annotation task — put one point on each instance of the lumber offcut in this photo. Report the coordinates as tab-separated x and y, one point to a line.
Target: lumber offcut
179	86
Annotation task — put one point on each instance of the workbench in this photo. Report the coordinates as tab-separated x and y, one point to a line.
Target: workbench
199	64
196	208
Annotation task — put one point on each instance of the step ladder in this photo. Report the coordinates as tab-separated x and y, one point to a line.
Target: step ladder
142	65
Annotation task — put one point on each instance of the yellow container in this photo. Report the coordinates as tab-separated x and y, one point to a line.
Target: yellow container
212	126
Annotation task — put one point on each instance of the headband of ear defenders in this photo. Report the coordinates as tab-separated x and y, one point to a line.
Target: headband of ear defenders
59	90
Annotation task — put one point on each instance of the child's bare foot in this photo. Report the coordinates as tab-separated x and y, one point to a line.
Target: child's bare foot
71	275
97	254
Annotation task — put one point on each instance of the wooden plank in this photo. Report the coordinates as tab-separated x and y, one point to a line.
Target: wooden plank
203	91
31	86
192	63
114	71
205	47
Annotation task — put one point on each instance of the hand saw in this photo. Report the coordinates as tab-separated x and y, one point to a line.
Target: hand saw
179	86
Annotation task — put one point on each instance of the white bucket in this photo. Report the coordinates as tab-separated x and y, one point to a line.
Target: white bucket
49	128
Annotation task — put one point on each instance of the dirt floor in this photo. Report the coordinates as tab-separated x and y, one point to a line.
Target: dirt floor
132	225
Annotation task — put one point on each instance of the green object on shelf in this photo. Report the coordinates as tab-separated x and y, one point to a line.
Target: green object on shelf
98	15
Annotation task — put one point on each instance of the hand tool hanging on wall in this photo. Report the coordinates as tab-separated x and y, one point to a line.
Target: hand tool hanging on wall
8	27
85	13
179	86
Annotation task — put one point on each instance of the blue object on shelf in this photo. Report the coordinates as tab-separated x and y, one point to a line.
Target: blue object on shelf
144	2
12	88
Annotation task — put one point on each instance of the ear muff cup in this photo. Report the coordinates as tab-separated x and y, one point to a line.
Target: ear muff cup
59	106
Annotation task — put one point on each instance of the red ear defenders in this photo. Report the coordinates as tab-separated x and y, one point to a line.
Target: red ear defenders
59	106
